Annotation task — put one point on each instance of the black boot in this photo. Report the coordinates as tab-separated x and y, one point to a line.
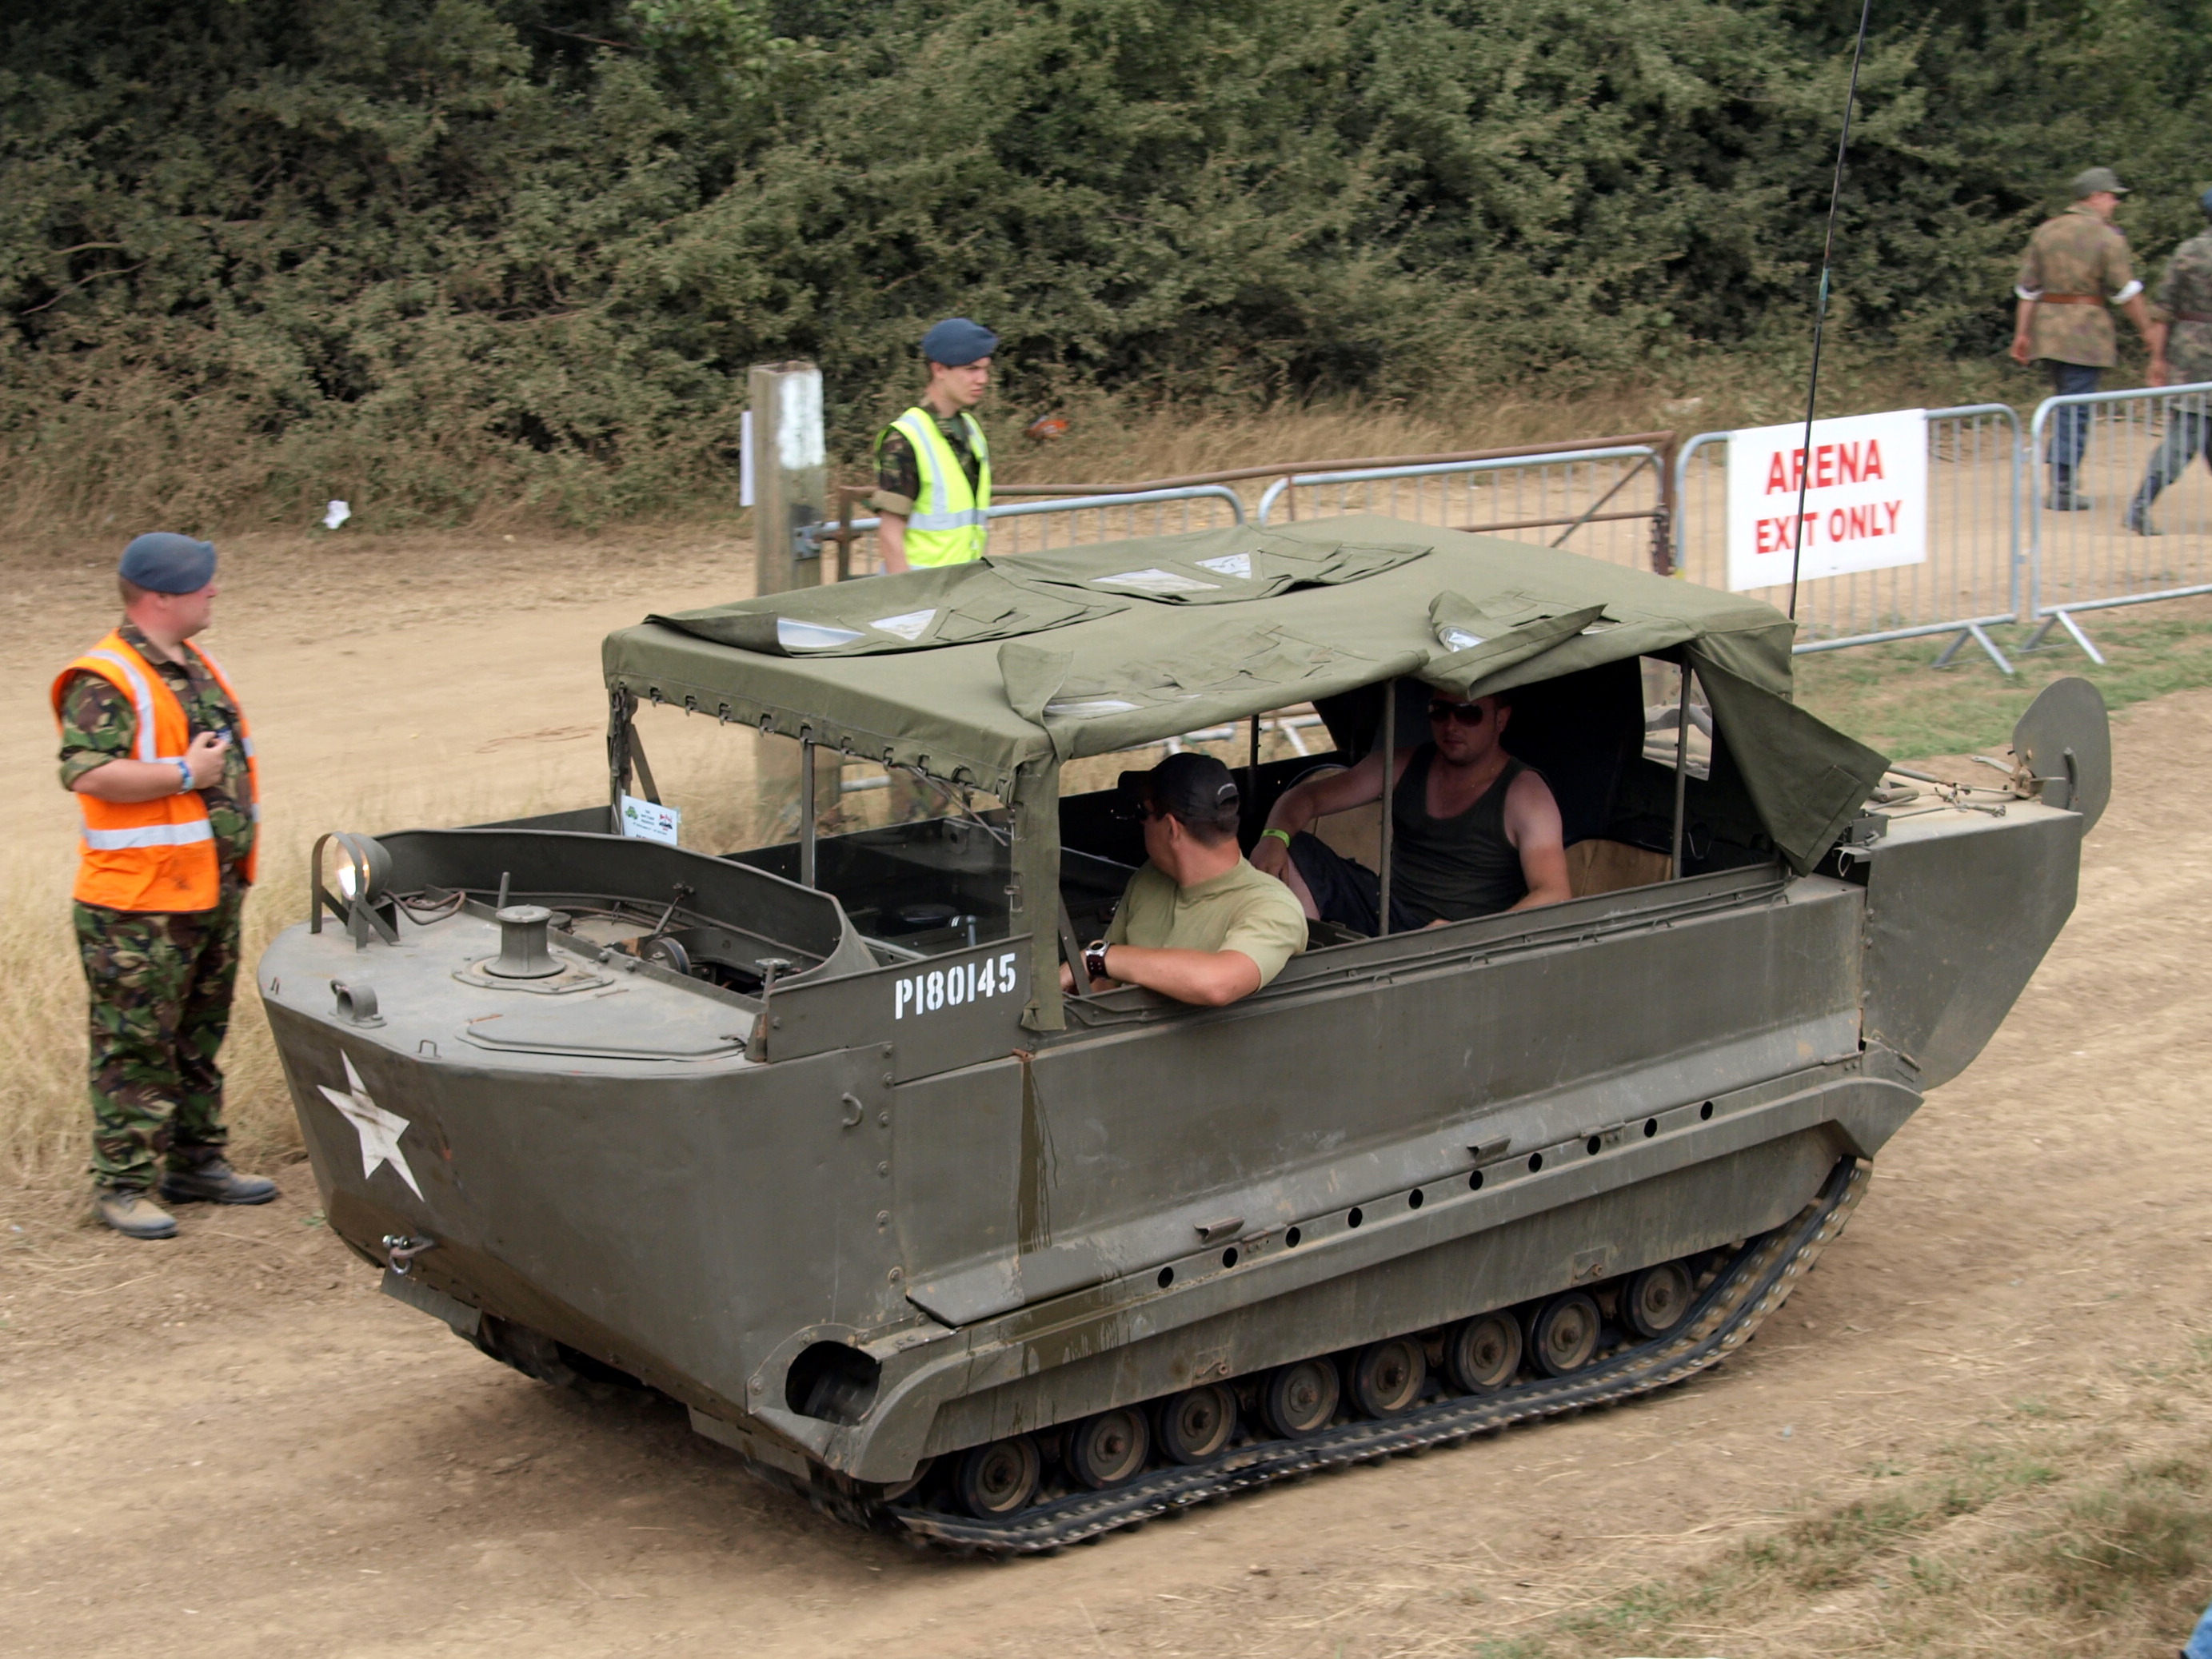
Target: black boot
2138	517
213	1182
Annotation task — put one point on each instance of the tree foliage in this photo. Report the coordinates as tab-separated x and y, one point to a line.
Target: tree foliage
433	252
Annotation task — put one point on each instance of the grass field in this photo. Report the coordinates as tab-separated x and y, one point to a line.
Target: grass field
1888	696
2074	1525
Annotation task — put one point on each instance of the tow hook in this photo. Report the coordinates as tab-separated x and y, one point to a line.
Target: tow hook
400	1251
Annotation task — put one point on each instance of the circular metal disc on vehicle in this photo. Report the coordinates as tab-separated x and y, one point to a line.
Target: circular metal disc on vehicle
1109	1447
999	1479
1197	1423
1653	1301
1387	1376
1483	1354
2065	736
1564	1333
1300	1398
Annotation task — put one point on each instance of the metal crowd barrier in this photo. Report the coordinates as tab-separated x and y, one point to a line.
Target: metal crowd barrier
1974	574
1587	488
2123	447
1568	489
1060	513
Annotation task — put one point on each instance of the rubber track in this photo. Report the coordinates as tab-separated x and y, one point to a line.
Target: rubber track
1734	1306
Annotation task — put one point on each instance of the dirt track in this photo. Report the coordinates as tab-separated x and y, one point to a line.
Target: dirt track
231	1443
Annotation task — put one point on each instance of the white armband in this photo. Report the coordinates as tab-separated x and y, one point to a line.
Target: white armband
2025	295
2127	294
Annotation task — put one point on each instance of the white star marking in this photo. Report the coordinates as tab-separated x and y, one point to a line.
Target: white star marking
380	1130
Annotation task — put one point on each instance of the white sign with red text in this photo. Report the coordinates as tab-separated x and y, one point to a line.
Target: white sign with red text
1866	497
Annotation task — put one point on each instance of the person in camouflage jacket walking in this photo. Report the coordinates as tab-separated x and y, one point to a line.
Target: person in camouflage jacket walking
2074	264
155	748
2180	351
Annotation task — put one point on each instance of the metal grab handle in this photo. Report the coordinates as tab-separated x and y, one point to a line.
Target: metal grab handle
400	1250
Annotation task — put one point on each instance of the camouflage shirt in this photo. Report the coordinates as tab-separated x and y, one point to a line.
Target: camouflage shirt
2075	253
2186	285
898	470
99	725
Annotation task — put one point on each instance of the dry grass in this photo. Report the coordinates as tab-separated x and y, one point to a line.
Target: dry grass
1113	440
2082	1525
212	476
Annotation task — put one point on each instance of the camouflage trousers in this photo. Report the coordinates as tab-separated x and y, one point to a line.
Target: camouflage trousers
2186	432
160	989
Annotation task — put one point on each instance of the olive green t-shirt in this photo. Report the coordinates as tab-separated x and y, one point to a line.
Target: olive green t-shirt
1242	909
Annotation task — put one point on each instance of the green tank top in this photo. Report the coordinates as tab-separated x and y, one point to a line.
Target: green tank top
1451	869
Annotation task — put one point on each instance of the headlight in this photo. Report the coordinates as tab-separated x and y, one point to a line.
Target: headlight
364	868
355	897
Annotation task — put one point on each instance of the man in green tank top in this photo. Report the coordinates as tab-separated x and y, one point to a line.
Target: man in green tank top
1473	831
932	466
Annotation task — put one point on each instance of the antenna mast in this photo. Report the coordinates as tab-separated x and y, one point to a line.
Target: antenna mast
1820	312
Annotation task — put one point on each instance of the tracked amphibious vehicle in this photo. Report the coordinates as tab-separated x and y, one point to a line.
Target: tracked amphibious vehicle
806	1135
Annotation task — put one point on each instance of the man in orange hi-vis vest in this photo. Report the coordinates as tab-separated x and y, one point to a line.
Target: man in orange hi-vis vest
156	749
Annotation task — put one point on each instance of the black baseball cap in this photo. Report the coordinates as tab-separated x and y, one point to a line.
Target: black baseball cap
1193	788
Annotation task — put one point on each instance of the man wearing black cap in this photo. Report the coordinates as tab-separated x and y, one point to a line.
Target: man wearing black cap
1197	923
932	467
2074	265
156	749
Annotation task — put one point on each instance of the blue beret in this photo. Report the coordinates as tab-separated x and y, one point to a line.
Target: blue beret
956	342
165	562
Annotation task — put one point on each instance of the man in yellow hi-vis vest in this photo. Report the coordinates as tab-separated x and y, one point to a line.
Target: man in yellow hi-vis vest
932	467
155	748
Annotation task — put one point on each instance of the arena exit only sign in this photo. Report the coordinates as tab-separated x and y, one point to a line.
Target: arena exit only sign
1866	497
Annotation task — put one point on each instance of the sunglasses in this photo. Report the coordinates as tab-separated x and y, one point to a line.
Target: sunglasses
1467	714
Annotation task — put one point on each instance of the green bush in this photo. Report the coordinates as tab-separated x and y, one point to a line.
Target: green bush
440	255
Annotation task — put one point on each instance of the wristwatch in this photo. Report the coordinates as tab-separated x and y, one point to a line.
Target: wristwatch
1094	959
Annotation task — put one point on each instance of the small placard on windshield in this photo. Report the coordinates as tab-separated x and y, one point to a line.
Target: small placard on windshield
647	820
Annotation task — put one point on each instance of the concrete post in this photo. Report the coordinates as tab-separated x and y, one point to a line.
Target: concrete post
791	472
790	486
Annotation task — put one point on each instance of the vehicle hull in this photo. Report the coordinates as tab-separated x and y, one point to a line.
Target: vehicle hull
1393	1136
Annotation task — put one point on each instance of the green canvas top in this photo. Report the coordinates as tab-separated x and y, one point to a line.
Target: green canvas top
980	672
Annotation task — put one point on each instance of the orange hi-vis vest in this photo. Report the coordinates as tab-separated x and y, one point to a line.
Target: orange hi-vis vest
158	855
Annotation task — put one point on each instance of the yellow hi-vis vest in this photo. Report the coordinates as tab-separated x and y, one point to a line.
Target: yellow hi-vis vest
155	854
949	523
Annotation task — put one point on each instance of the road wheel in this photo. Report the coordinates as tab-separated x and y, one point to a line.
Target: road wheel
1194	1424
1108	1449
1655	1301
1299	1398
1483	1354
1564	1333
1387	1376
891	1491
997	1480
